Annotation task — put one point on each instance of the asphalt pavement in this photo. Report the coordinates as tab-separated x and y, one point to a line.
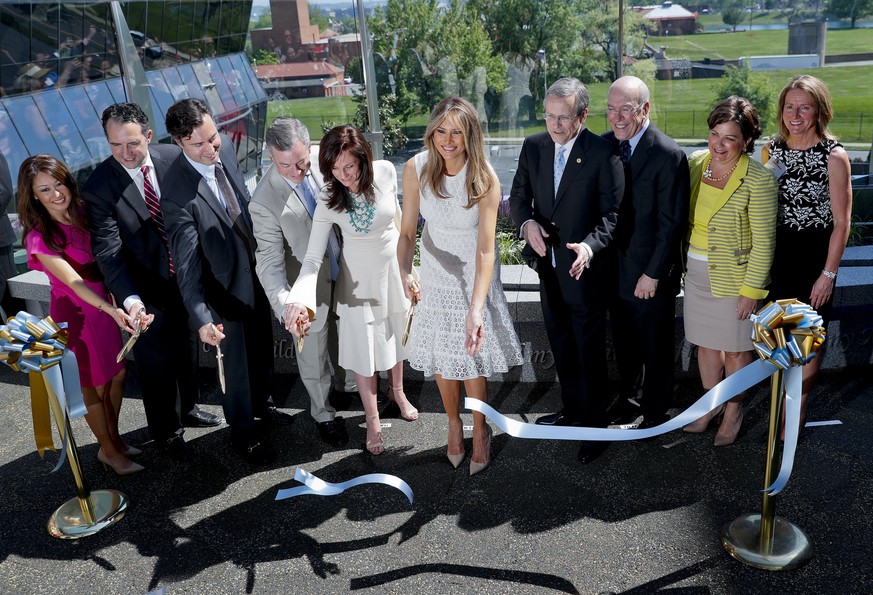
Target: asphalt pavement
646	517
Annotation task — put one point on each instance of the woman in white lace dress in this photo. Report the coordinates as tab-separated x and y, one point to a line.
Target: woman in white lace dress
462	332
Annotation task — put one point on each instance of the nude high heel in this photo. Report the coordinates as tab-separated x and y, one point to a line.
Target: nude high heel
702	423
376	446
477	467
131	467
727	431
407	410
455	459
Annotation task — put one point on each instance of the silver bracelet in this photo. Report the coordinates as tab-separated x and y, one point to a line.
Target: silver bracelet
829	274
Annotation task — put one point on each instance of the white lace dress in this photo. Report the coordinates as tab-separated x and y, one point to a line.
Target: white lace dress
448	267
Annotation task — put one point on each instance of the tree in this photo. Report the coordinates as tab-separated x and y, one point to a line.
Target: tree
732	16
601	32
318	17
265	21
850	9
393	139
264	57
754	86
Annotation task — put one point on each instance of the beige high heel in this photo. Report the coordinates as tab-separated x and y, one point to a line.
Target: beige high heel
456	459
477	467
131	467
130	451
377	446
701	424
728	435
407	410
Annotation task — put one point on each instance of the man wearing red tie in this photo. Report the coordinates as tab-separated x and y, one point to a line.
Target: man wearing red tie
128	237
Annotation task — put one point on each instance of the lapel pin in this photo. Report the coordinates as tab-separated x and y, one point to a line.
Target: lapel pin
578	160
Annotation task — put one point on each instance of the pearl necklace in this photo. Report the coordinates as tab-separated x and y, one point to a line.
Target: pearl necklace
707	173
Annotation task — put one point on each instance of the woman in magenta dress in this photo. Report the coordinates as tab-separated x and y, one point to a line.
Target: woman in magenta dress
57	241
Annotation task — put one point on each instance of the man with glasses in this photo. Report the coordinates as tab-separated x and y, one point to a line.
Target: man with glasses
651	225
281	211
565	199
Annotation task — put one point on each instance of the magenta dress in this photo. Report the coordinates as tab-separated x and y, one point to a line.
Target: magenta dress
93	335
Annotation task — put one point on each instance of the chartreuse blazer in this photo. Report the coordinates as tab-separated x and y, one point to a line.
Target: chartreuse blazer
742	228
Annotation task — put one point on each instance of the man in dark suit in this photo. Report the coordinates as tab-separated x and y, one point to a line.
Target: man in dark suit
11	306
651	224
565	199
123	198
214	254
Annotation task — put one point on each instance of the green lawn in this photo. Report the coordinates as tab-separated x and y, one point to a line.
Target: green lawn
679	108
731	46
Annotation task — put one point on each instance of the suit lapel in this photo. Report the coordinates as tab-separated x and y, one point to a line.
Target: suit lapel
130	194
641	151
733	183
292	201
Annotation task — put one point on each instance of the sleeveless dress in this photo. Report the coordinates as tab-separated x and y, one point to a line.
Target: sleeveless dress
93	335
804	221
370	302
448	268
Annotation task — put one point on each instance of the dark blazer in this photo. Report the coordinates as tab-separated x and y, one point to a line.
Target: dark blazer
214	271
124	237
654	213
584	210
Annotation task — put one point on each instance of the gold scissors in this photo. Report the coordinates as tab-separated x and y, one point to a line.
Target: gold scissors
300	323
137	331
219	357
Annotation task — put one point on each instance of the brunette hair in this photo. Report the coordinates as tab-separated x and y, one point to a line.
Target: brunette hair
337	140
32	213
184	116
820	96
739	111
126	113
480	177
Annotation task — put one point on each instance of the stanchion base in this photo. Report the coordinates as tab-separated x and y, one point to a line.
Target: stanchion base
791	547
68	521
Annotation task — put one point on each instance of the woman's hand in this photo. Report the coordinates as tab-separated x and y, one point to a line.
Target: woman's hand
211	334
821	292
745	307
475	330
121	318
297	321
412	289
138	310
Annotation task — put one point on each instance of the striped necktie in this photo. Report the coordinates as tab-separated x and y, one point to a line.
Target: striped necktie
153	202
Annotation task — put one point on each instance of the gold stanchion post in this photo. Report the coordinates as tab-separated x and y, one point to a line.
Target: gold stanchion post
89	512
765	540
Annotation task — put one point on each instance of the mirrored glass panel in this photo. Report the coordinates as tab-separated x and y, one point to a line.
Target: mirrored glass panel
63	129
88	121
11	145
28	121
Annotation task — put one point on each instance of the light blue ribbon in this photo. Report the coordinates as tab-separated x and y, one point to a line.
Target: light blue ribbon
63	379
721	393
318	487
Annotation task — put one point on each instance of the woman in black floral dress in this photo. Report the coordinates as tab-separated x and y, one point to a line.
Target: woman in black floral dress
815	203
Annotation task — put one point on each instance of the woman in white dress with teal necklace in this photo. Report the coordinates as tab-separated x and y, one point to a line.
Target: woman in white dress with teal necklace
462	332
360	199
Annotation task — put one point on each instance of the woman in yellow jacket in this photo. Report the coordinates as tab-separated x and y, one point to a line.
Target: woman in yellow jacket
731	236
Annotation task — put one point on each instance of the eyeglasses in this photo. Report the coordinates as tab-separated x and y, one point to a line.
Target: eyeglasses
624	111
560	119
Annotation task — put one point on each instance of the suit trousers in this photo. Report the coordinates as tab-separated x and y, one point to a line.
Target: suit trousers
577	335
314	370
166	359
248	362
643	333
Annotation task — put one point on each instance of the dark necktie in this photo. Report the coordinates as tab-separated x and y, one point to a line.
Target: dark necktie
153	202
624	151
232	206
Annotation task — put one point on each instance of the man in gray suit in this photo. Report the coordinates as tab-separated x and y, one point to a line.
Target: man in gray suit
281	210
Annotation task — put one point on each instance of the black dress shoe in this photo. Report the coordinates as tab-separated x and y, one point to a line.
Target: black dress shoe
557	419
200	419
590	450
341	400
273	415
334	432
254	450
176	447
653	421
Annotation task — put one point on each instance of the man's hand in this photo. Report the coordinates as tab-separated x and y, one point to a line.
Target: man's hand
138	309
534	235
581	263
211	334
646	287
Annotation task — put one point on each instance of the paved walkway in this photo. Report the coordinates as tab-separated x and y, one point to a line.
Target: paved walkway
644	518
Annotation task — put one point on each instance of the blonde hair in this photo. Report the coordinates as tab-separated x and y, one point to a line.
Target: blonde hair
480	177
820	96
